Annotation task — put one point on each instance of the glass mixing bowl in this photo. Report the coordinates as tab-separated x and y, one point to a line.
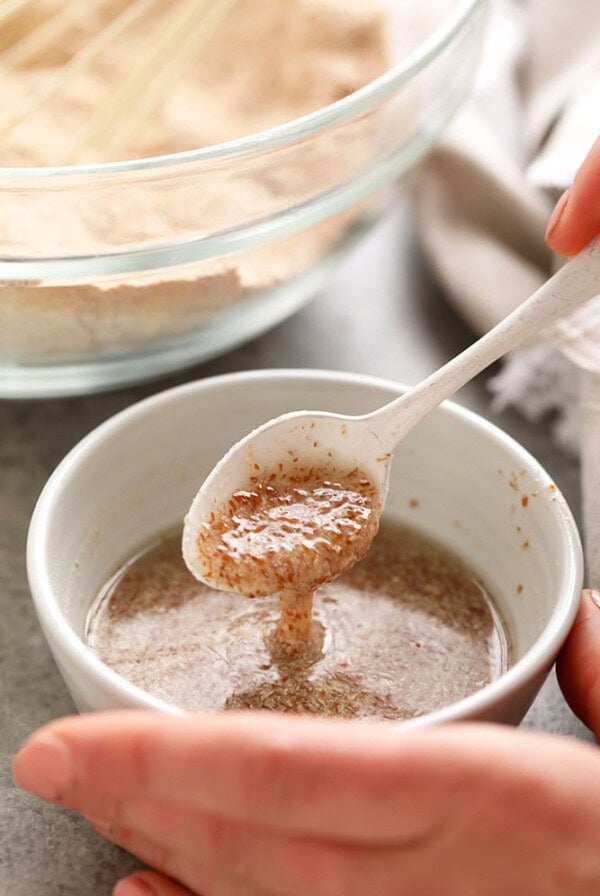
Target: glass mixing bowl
109	274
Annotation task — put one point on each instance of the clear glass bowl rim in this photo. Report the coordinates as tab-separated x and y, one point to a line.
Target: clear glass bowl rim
282	135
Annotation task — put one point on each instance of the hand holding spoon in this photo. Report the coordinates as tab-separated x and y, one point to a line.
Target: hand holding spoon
280	521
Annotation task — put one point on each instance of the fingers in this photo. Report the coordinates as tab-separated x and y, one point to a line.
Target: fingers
546	829
576	218
229	859
171	865
579	663
149	883
311	776
459	790
235	857
244	850
352	781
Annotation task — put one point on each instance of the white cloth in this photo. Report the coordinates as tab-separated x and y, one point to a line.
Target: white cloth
483	198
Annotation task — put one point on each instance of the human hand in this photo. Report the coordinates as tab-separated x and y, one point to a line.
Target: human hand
578	665
576	219
574	222
267	805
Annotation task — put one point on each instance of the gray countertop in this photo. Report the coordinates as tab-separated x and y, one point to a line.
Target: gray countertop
382	315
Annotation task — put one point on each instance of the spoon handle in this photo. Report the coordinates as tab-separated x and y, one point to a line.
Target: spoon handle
575	283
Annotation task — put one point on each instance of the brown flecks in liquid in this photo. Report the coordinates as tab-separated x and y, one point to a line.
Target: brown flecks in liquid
551	487
407	630
525	544
290	531
524	500
413	502
382	459
519	589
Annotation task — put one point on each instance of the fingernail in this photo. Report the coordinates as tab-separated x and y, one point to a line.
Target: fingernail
595	596
557	214
43	766
134	886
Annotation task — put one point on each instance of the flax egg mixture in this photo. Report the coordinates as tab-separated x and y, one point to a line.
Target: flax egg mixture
291	531
406	630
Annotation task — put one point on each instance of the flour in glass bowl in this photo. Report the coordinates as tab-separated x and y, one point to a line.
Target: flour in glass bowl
267	63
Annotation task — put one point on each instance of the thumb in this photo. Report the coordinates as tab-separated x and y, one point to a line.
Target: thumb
576	219
578	665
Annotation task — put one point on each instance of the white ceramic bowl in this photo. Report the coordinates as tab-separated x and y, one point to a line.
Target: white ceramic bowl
135	476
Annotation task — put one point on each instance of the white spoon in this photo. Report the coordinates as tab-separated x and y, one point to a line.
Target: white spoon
368	441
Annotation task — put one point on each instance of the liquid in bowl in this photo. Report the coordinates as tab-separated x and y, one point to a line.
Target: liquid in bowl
407	630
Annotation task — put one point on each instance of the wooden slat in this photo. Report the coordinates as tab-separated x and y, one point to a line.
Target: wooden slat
172	67
128	18
49	32
9	7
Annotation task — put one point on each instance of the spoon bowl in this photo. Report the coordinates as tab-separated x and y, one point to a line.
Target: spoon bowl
310	439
